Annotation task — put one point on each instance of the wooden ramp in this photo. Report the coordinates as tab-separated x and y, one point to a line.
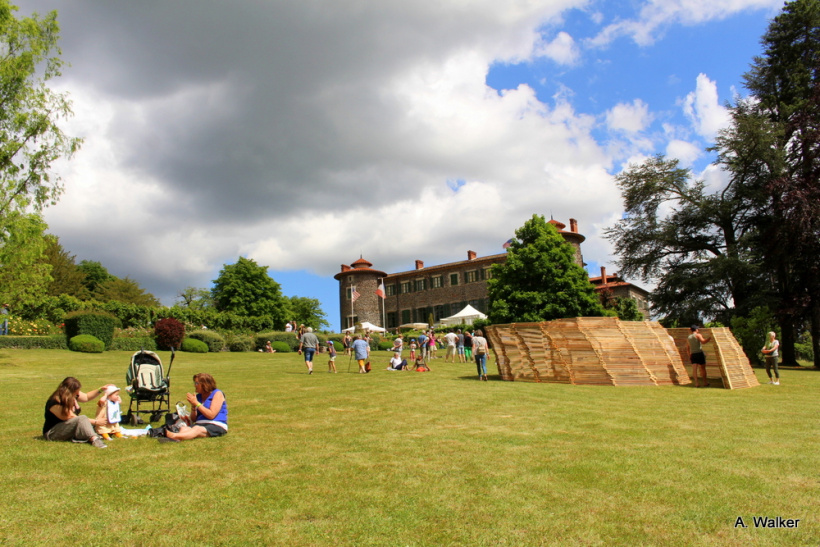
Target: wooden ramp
725	359
587	351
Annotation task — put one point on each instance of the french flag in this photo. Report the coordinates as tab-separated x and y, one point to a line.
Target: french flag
380	291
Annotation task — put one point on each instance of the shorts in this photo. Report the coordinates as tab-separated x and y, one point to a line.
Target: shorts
213	430
698	358
361	362
333	357
309	352
460	350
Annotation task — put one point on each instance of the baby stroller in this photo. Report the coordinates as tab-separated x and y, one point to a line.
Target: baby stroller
148	386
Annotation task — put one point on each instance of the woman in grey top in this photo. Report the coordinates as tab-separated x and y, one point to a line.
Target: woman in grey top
771	354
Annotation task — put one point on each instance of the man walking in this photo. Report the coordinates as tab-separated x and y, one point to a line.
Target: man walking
361	350
309	343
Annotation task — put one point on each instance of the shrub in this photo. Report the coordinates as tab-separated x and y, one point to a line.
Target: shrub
385	345
240	342
287	337
133	343
193	345
98	324
281	347
86	343
169	333
262	338
213	339
55	341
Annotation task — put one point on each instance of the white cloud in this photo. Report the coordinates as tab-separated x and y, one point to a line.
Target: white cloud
562	49
655	15
629	118
704	110
684	151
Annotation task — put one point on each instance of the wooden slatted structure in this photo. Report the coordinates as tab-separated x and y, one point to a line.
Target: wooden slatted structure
587	351
725	359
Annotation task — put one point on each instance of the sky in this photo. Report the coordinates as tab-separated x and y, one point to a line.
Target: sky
304	135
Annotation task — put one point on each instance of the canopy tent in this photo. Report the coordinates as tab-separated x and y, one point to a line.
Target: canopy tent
414	326
364	326
465	316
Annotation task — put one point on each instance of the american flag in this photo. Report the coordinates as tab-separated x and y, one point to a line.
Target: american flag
354	295
507	244
380	290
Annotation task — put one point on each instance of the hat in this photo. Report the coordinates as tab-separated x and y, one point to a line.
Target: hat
111	390
330	342
694	327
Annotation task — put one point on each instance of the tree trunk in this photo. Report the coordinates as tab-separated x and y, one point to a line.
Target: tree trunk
787	340
815	332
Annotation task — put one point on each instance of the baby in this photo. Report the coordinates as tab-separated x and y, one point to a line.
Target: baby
107	422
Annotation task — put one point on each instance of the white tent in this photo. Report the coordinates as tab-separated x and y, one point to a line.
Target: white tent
465	316
364	326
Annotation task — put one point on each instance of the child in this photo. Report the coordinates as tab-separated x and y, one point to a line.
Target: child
331	350
421	366
107	422
413	347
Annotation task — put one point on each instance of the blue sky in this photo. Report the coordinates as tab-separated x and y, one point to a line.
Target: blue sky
304	135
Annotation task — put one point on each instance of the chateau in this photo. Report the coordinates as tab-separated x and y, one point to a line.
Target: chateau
440	291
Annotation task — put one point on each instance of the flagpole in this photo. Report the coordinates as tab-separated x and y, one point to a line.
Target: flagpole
384	315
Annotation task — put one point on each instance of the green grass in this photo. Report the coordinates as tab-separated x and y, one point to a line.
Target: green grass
394	458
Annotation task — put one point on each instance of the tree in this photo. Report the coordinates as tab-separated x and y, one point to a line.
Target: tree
785	114
195	299
245	288
95	276
66	278
540	280
693	244
31	141
127	291
308	312
23	274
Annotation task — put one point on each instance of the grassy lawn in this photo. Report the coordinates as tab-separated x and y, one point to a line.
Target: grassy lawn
394	458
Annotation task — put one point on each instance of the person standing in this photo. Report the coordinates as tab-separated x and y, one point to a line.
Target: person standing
451	339
4	312
460	346
361	351
331	351
423	345
771	353
346	342
468	346
309	343
398	344
696	355
480	349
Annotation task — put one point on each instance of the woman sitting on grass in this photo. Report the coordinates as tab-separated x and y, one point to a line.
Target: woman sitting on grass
63	421
209	414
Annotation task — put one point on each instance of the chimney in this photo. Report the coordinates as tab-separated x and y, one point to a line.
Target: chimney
603	275
470	255
573	226
345	267
419	264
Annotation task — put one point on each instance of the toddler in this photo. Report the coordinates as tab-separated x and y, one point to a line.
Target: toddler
109	415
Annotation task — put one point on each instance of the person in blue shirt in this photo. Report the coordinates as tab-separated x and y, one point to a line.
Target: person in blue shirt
361	352
209	411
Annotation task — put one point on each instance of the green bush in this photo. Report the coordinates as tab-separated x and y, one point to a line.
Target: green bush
194	345
214	340
384	345
240	342
86	343
287	337
55	341
98	324
262	338
133	343
281	347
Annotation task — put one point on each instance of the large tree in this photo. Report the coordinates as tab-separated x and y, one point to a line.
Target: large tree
245	288
308	311
66	277
693	243
195	298
24	276
31	141
127	291
540	280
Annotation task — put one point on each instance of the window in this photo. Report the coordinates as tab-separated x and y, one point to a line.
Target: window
420	315
439	312
438	282
352	320
406	287
405	316
421	285
349	293
390	290
392	320
471	276
454	279
486	273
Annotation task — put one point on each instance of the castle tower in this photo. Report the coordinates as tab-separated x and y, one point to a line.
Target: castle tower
363	279
572	237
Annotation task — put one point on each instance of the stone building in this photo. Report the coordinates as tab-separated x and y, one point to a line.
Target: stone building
426	292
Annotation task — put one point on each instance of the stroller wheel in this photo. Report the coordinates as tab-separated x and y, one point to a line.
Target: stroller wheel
156	416
132	419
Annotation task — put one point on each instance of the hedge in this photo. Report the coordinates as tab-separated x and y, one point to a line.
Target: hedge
86	343
213	339
193	345
281	347
240	343
55	341
95	323
133	344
